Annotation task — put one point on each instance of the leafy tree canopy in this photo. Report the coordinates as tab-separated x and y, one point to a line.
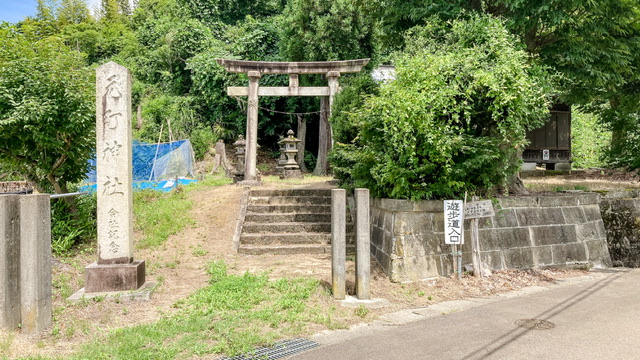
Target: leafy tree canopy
454	119
324	30
47	116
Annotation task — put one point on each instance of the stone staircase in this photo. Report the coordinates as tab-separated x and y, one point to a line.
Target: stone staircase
287	221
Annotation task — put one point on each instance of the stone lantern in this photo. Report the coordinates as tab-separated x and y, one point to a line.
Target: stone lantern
289	146
240	146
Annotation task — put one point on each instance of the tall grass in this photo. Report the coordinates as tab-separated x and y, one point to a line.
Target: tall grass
159	215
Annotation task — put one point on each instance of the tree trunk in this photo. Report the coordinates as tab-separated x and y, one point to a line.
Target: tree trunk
516	186
139	118
324	139
302	135
61	188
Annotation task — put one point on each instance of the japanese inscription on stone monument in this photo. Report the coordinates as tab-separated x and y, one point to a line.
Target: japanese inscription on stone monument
114	173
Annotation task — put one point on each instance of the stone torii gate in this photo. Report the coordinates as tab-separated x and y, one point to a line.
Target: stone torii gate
255	69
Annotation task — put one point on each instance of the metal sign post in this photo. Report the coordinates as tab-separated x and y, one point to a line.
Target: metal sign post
475	210
454	230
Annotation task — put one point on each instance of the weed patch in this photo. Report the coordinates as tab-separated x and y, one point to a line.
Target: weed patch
232	315
159	215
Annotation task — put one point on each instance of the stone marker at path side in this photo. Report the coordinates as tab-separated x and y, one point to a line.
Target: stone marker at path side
115	269
338	243
35	263
363	244
9	261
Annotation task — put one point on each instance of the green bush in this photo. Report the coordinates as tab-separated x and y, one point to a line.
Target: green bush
624	151
201	139
454	120
68	229
158	112
590	140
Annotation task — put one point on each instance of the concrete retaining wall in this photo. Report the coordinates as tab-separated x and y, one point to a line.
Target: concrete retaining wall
621	214
407	238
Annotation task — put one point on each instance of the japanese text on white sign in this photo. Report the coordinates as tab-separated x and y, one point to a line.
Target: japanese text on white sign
453	222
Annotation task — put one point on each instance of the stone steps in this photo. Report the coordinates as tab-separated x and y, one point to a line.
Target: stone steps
287	221
287	227
308	238
291	192
290	200
284	250
292	217
289	209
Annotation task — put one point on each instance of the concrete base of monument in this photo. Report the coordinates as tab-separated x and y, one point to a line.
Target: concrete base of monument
142	294
250	183
114	277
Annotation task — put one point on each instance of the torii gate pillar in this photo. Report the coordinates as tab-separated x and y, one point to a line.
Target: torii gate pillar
255	69
251	154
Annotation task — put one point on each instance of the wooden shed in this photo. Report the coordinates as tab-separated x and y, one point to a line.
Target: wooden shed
551	143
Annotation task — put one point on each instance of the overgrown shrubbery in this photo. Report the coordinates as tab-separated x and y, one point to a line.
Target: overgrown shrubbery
69	228
624	151
180	112
589	141
454	119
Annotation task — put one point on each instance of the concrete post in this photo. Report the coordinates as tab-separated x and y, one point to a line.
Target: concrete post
10	261
252	129
115	269
363	244
338	243
35	262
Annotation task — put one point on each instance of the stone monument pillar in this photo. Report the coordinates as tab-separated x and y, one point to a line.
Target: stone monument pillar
115	269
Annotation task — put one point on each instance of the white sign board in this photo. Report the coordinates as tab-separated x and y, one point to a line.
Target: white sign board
545	154
478	209
453	221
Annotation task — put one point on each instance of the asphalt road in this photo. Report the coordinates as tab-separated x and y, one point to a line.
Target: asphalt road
593	318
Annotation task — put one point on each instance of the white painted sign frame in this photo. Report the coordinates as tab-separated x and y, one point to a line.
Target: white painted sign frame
453	222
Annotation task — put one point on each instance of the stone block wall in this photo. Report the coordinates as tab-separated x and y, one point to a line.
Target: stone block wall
620	211
407	238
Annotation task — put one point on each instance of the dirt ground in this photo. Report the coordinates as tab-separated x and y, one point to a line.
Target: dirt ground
591	179
179	268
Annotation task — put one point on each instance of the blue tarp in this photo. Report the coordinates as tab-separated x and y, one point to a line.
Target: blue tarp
171	160
141	185
143	157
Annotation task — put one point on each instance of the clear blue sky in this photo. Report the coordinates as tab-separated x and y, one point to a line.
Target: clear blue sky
15	10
